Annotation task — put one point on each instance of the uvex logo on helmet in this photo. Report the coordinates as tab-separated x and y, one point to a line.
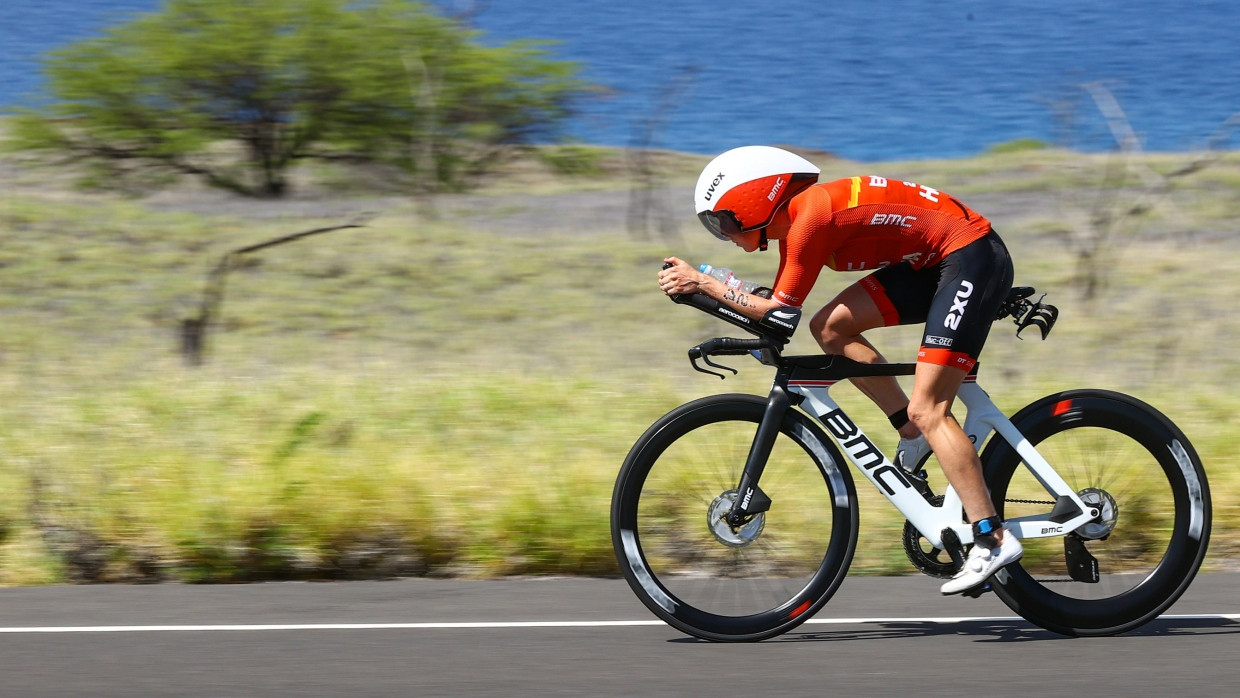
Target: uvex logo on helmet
710	193
752	183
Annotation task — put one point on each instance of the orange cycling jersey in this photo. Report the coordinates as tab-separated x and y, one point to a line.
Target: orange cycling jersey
867	222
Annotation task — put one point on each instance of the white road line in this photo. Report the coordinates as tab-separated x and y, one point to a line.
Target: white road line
484	625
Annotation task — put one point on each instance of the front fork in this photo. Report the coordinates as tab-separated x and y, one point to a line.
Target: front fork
750	499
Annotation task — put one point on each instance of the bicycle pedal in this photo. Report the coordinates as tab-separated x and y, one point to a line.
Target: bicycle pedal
921	482
977	591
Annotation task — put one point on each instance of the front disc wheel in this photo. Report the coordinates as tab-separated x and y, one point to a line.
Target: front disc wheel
709	578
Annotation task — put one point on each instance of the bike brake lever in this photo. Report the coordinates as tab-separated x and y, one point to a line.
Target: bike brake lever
693	359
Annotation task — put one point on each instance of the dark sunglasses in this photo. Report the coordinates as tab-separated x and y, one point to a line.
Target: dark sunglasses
721	224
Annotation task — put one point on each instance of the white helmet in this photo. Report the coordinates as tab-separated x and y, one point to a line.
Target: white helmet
742	189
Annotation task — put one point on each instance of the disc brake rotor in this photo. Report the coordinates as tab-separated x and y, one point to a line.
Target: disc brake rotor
1108	514
735	537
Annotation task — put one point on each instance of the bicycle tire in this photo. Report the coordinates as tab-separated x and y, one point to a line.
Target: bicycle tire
1151	487
748	588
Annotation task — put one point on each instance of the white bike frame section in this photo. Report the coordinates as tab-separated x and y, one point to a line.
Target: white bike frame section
982	418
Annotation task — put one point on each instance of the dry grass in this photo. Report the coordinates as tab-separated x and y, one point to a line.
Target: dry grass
419	397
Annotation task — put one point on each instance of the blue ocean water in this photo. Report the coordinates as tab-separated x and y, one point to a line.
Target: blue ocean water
866	79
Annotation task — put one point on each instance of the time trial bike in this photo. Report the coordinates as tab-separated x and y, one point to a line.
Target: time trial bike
735	518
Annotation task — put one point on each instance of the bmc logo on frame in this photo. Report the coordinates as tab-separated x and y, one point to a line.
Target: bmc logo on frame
864	453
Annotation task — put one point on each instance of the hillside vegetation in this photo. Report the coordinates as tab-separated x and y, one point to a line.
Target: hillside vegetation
450	390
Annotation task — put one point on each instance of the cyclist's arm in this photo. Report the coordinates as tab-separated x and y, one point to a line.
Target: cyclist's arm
681	277
804	249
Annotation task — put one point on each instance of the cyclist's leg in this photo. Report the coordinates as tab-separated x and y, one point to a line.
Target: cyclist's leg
973	282
838	326
934	389
893	295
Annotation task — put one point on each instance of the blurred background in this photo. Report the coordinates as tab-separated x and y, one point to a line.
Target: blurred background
917	80
302	289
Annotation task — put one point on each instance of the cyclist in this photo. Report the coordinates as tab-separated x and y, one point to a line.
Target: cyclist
932	260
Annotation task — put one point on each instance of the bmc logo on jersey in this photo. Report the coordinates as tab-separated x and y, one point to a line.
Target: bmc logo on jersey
787	298
893	219
962	299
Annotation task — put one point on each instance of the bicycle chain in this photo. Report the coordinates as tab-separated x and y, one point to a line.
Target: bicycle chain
932	562
1026	501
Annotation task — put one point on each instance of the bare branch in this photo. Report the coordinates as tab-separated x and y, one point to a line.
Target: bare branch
422	145
1115	202
1121	129
194	329
646	187
1215	147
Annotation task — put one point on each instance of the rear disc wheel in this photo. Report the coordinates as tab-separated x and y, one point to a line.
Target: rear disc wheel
1139	554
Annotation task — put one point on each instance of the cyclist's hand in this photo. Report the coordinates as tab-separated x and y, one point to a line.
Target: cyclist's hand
678	277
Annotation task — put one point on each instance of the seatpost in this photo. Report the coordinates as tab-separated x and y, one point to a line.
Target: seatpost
750	499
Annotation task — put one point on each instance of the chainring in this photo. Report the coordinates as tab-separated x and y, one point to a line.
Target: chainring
928	559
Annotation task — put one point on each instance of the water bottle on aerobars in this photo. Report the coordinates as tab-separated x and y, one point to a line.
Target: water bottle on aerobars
729	279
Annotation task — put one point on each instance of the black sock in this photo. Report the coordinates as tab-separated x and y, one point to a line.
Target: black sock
899	418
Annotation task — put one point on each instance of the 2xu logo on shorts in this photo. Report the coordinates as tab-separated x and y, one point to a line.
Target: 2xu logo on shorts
957	312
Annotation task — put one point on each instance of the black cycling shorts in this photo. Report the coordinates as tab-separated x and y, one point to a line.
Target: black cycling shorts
957	299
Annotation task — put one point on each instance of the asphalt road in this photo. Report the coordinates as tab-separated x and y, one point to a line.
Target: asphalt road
878	636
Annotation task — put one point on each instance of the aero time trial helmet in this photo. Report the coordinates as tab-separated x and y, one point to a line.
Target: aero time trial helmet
742	189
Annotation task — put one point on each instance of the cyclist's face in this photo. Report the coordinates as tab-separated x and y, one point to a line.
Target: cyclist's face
748	241
780	224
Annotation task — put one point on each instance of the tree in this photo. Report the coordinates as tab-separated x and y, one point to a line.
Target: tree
1129	189
648	193
237	93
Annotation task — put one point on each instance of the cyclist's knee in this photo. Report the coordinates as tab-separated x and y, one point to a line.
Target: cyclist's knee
927	416
832	327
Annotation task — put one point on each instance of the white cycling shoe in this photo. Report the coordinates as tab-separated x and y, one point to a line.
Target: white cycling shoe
983	562
911	452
